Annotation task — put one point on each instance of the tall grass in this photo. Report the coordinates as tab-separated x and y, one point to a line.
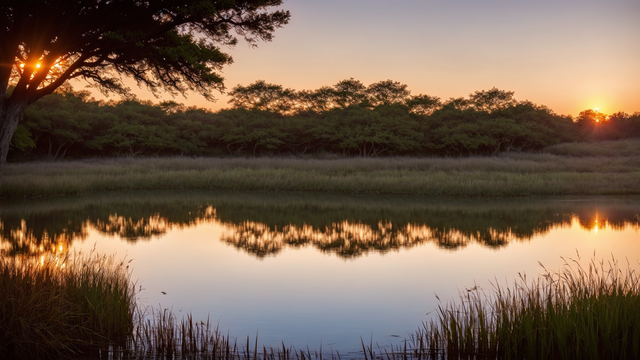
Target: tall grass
627	147
52	307
505	175
575	313
64	308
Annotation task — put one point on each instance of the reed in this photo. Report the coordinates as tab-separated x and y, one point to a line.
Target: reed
160	335
504	175
85	308
51	308
575	313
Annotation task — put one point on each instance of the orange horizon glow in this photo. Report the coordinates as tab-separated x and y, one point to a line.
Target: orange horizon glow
450	49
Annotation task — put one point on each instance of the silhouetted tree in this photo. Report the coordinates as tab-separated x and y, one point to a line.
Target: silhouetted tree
387	92
349	92
423	104
169	45
492	99
263	96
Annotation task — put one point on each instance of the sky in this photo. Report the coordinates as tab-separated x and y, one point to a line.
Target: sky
569	55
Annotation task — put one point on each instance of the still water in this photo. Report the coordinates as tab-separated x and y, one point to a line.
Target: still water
321	270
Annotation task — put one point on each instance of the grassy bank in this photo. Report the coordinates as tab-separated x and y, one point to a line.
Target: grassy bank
504	175
575	313
52	308
86	310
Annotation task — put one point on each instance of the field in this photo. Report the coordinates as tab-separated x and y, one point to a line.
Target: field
604	168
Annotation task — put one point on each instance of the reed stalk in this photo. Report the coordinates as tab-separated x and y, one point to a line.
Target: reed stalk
84	308
54	307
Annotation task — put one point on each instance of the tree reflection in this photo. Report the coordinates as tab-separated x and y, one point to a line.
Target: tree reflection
267	226
353	239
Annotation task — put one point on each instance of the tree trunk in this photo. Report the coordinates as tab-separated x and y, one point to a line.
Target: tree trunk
9	118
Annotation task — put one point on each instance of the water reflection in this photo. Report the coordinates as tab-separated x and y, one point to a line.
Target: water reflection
352	239
267	224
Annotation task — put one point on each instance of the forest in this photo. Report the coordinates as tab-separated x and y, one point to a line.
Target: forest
346	119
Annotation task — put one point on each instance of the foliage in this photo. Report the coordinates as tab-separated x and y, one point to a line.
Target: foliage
348	118
169	45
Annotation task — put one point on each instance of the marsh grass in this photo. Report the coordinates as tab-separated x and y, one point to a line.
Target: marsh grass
160	335
53	307
504	175
85	308
575	313
627	147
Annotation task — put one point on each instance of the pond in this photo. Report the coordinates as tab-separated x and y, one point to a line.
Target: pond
322	270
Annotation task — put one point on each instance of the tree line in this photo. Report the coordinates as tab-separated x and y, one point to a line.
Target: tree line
349	119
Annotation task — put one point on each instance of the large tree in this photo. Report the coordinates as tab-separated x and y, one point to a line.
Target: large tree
165	45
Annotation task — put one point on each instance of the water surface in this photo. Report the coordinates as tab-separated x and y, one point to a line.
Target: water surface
321	270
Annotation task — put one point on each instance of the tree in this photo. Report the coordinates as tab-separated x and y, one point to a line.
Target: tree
349	92
492	99
263	96
387	92
423	104
170	45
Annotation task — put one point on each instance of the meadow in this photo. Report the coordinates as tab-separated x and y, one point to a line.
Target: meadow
602	168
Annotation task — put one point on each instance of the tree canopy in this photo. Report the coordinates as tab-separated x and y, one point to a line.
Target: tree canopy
168	45
271	120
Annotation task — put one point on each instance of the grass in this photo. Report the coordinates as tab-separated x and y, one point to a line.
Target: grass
517	174
87	309
53	307
602	148
575	313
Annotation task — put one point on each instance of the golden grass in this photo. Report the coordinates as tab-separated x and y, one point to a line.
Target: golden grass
53	307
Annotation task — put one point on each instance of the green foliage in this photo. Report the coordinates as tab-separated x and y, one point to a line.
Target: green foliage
348	118
171	45
492	99
264	97
22	140
168	45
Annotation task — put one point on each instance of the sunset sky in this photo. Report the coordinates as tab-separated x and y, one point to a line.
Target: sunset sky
569	55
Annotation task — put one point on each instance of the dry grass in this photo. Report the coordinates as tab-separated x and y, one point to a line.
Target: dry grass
505	175
617	148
